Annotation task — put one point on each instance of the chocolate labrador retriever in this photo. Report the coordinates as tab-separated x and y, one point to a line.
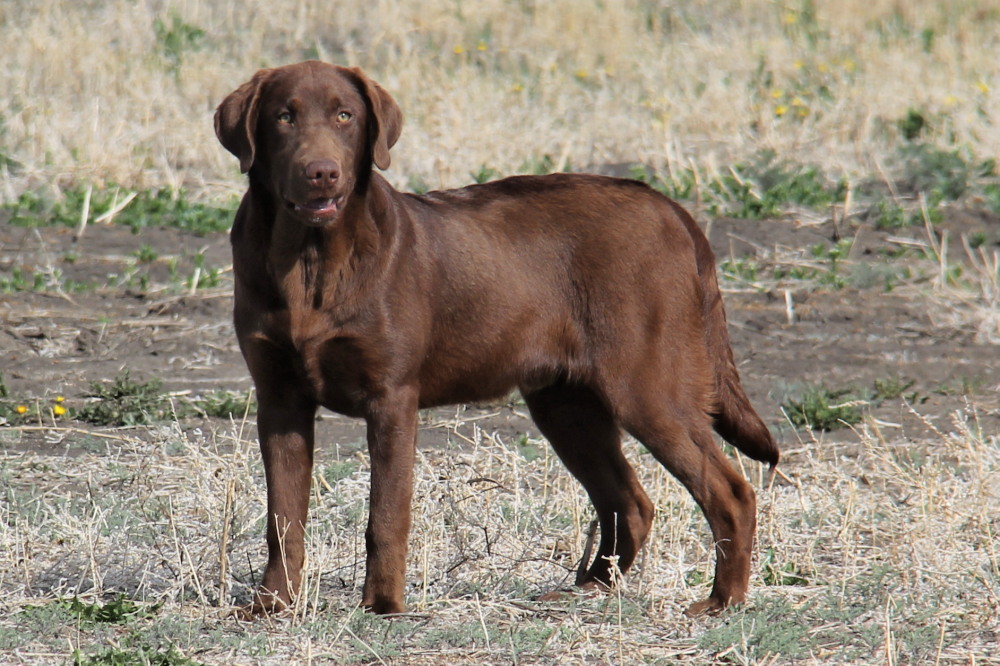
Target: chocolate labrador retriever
595	297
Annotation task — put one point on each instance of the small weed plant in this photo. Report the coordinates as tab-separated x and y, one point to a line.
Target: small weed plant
119	610
774	572
896	388
125	402
223	404
821	408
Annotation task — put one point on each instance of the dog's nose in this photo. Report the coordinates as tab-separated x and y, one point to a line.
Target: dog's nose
322	172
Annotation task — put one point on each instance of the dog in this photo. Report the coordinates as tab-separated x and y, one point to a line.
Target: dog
594	297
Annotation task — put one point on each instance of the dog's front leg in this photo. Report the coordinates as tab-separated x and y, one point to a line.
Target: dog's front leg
392	436
286	430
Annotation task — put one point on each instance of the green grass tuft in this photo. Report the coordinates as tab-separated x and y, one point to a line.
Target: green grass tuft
125	402
821	408
119	610
133	656
149	208
223	404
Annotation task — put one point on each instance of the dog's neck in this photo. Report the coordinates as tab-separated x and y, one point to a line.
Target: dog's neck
305	263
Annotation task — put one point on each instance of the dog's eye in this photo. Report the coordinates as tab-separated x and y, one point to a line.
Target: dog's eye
285	117
344	116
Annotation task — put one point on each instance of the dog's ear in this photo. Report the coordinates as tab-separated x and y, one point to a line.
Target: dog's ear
236	119
386	122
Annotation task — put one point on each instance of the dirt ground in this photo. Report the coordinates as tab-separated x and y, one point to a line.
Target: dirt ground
58	343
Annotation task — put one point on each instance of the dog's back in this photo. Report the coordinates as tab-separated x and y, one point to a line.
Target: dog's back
544	270
547	277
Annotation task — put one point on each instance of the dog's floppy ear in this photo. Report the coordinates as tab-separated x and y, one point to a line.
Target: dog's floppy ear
386	122
236	119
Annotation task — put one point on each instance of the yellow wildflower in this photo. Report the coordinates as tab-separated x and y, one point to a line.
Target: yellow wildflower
21	409
59	410
982	87
780	110
458	50
481	46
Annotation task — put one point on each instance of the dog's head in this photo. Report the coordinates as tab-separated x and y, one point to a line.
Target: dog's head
310	132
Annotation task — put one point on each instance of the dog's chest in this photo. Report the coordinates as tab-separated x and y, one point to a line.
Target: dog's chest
328	362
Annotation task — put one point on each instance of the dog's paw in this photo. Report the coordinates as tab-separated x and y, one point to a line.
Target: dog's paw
383	606
710	606
264	603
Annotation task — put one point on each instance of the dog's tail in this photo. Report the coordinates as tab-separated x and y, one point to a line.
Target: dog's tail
735	419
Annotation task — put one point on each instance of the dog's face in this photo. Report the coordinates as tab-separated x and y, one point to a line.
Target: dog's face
311	133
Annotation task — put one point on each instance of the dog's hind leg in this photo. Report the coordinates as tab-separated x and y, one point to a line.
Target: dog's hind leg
585	436
683	443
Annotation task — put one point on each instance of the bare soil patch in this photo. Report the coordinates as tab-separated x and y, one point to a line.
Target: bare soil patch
58	342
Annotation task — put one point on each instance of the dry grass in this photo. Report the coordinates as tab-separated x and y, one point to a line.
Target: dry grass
871	550
97	91
974	304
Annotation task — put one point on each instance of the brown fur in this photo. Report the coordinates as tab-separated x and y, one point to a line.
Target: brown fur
595	297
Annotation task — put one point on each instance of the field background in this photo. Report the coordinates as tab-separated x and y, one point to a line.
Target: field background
841	156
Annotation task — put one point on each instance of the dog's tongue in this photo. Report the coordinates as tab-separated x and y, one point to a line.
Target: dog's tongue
320	205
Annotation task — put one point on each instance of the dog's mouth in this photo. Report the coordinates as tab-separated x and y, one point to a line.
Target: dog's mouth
318	210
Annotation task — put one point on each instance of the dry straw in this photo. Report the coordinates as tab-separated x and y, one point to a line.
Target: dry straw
876	545
124	91
871	549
